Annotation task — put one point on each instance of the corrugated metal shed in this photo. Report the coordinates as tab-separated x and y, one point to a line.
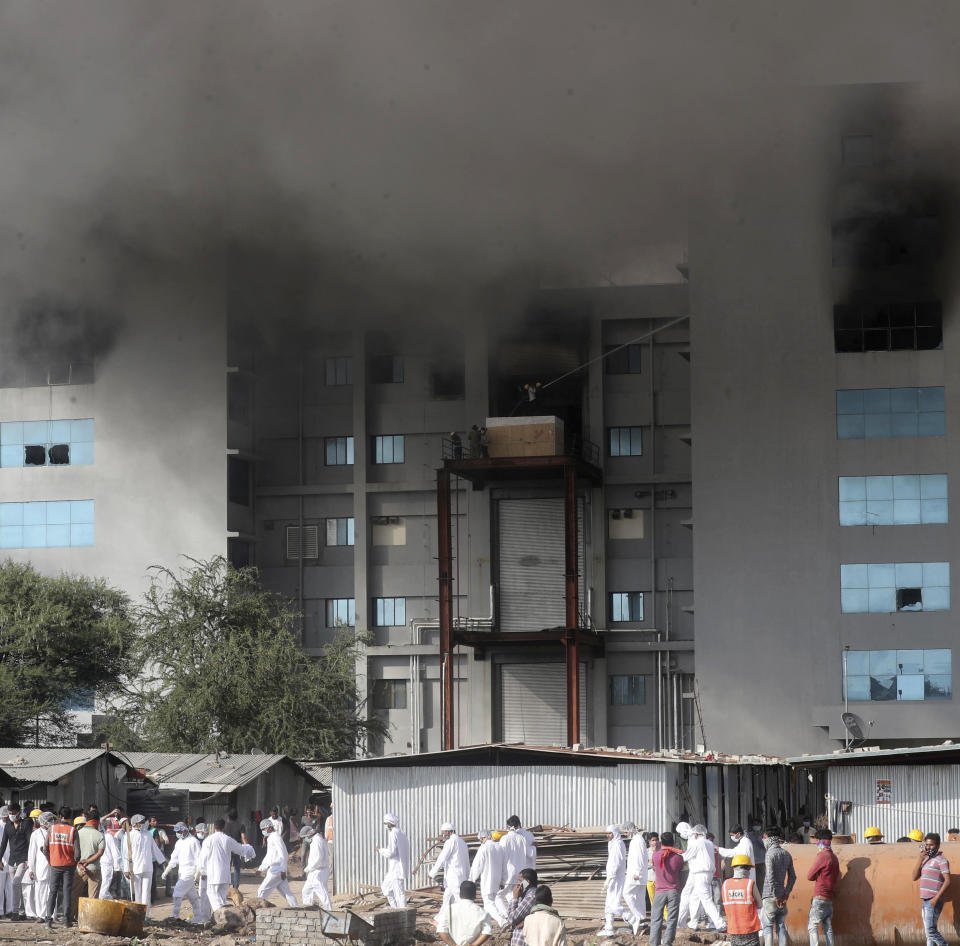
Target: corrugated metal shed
319	770
44	765
200	772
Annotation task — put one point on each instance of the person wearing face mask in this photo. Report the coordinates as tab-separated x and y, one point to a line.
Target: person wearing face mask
635	880
741	899
138	851
807	832
741	845
778	881
397	854
824	873
316	870
933	871
13	853
454	861
699	856
186	853
616	873
61	848
487	873
524	900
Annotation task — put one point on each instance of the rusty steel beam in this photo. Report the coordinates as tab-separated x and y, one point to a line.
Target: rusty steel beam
572	604
445	556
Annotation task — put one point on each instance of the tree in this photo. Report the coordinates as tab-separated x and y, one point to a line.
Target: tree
222	669
61	640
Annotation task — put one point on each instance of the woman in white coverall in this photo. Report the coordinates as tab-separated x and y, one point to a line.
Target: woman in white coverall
454	861
138	851
397	853
635	881
487	873
186	853
317	870
274	865
616	872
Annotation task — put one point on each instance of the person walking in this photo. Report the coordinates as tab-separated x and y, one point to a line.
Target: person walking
667	864
185	856
214	865
233	829
613	885
487	872
543	926
701	860
13	853
635	880
824	872
316	869
741	898
464	922
522	902
454	861
62	849
139	852
397	854
517	854
274	865
933	871
778	881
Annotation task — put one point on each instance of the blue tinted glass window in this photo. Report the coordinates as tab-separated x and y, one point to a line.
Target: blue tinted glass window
902	675
46	524
883	588
890	412
43	443
909	499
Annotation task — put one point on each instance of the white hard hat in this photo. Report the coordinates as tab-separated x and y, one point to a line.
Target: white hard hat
447	826
266	825
684	830
391	819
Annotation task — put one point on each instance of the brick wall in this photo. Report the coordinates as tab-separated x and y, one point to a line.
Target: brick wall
291	927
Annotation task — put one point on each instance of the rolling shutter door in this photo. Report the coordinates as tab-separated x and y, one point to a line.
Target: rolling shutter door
533	703
531	576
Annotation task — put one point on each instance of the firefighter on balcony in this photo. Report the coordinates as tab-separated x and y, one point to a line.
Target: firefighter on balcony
741	902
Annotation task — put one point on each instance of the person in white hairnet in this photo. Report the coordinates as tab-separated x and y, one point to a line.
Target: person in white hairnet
397	853
454	861
635	879
701	862
317	870
185	854
37	863
201	832
613	885
138	851
487	872
274	865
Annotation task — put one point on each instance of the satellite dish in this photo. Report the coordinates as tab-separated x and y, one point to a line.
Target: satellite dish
256	751
119	772
854	730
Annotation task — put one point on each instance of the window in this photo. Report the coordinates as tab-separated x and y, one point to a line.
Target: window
893	500
625	523
895	327
903	586
389	612
46	525
880	675
389	694
890	412
46	443
626	606
388	530
341	612
339	371
856	151
240	553
340	531
388	449
623	359
238	481
338	451
305	546
628	690
626	441
447	383
386	369
39	374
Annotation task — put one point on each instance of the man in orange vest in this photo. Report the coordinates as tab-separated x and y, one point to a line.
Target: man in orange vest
741	900
62	850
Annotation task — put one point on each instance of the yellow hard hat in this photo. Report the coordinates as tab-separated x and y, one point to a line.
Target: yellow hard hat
915	835
873	832
35	813
741	860
496	835
79	820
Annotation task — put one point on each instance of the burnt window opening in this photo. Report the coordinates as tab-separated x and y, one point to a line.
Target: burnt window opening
34	455
238	481
59	373
59	454
623	360
909	599
386	369
894	327
447	383
880	242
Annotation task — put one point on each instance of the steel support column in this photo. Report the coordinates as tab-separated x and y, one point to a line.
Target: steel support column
572	604
445	556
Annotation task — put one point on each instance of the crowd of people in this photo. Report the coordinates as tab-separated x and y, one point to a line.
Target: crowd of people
50	859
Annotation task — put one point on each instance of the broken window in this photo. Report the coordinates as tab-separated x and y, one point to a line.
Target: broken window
59	454
389	694
54	442
883	588
388	530
386	369
898	327
34	455
909	599
625	523
902	675
623	359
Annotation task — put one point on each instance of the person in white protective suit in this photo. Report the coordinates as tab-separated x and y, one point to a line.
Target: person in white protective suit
214	861
201	833
138	851
317	870
454	861
701	862
635	880
741	845
513	823
613	885
487	873
110	862
186	854
518	853
274	865
37	876
397	853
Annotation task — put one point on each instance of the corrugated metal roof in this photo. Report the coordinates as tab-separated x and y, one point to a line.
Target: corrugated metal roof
199	772
864	756
44	765
319	770
504	753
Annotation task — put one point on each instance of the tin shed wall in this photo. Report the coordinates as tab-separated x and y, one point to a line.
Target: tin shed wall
920	796
475	797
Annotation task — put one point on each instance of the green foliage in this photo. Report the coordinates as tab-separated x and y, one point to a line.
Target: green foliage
59	637
221	668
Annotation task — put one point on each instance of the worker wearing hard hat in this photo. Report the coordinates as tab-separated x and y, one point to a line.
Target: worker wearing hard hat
454	861
873	835
916	835
741	903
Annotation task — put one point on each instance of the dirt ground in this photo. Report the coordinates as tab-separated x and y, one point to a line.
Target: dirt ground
161	930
